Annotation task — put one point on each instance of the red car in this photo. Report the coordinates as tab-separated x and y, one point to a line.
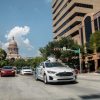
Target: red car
7	71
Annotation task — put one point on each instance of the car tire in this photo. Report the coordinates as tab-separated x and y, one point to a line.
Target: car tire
45	79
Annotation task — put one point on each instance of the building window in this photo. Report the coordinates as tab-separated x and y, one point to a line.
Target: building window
99	22
84	5
95	24
82	41
68	20
54	4
88	28
62	9
71	8
74	34
69	28
58	6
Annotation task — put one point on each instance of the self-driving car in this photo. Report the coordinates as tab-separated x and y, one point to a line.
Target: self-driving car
54	72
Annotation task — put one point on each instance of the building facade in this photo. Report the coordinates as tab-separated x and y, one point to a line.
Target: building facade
77	19
68	14
89	25
12	52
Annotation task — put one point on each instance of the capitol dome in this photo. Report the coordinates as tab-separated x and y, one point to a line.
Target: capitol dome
13	43
13	49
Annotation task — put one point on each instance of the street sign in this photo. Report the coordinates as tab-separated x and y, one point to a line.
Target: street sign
77	51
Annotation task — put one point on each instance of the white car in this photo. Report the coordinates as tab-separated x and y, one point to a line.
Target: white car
26	70
54	72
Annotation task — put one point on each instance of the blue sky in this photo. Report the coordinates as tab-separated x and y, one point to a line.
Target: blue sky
29	21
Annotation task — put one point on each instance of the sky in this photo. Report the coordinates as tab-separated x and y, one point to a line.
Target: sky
29	21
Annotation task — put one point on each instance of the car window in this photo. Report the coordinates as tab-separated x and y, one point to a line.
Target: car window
54	64
7	67
48	64
26	68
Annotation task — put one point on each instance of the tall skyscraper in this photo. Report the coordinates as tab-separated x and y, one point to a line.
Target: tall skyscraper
68	14
77	19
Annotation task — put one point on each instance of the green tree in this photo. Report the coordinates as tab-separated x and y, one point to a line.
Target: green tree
54	48
3	63
19	63
49	49
95	41
3	54
35	61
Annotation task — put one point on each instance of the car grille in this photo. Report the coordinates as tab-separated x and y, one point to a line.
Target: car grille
66	79
64	74
27	71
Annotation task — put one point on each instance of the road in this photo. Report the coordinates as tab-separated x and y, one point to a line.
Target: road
26	88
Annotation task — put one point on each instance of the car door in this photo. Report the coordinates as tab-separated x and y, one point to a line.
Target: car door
39	71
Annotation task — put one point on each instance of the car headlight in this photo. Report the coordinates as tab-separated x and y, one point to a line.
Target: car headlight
73	72
12	71
51	72
2	71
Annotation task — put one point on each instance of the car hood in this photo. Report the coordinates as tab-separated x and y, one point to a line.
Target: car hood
26	69
60	69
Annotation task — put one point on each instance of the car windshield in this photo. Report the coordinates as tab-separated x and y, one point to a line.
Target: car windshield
53	64
7	67
26	68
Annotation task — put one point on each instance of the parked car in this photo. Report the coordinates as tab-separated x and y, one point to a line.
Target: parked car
54	72
7	71
18	70
26	70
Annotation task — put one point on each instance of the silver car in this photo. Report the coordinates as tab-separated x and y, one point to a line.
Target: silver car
26	70
54	72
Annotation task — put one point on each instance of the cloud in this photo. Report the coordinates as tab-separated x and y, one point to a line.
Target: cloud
38	53
20	34
5	45
27	42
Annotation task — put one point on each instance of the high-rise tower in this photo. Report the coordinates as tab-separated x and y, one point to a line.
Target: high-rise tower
68	14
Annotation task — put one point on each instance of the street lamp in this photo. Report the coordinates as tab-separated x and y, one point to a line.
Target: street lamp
76	51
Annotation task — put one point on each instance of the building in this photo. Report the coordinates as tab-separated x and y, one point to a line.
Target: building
68	14
12	52
77	19
88	26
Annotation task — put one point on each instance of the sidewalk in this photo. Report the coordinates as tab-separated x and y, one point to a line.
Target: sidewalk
89	76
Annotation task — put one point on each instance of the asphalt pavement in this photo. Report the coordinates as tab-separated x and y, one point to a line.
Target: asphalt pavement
26	88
